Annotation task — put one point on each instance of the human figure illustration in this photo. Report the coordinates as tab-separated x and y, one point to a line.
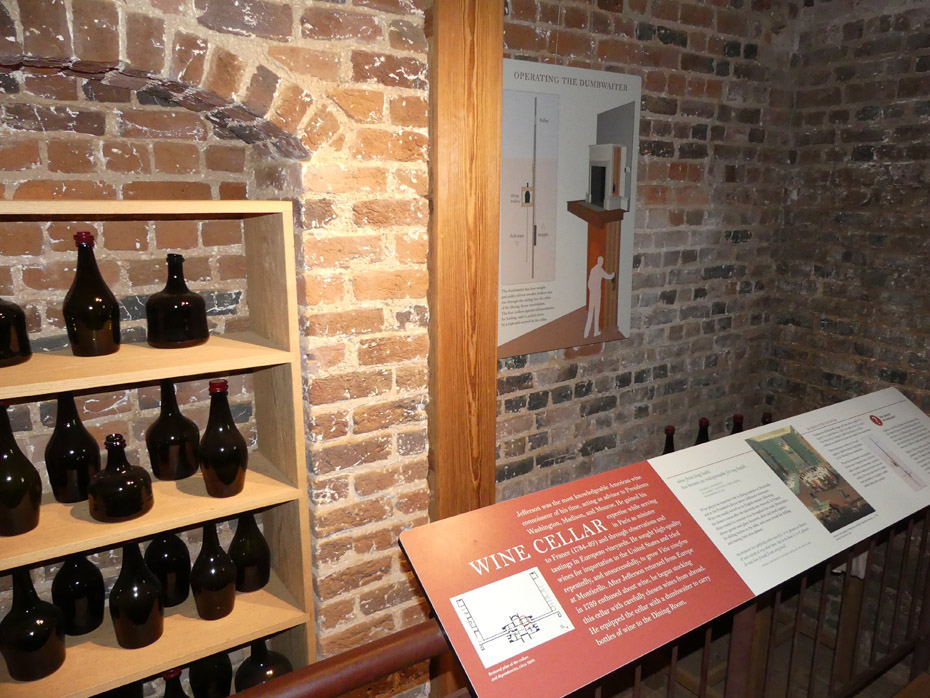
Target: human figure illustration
595	279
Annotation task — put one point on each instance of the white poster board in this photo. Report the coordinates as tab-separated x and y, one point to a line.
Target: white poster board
550	293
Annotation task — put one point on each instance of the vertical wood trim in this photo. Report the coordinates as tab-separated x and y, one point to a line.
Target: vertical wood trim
466	63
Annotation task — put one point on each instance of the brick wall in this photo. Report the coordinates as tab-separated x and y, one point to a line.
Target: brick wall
714	143
321	103
852	280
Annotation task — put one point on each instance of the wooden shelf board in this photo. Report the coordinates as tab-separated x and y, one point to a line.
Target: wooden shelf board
68	528
146	210
95	662
59	371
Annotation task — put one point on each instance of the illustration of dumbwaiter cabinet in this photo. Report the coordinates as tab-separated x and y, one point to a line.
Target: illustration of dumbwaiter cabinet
568	185
274	490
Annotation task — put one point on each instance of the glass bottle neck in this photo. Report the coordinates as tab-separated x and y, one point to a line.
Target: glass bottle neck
219	408
210	539
176	282
116	458
6	430
132	556
259	651
169	401
23	591
86	261
67	410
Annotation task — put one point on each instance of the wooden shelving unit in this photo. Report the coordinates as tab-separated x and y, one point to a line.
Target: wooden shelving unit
276	482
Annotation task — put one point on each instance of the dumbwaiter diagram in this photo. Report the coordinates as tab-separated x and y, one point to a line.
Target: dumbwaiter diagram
529	172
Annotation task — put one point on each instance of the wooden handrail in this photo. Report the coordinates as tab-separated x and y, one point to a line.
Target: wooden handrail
344	672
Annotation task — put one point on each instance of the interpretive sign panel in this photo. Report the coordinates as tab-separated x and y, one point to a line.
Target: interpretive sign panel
568	136
593	574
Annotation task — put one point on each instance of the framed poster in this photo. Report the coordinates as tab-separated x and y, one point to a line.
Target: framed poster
569	145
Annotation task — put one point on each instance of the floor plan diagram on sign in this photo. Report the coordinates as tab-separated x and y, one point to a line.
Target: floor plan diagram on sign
511	615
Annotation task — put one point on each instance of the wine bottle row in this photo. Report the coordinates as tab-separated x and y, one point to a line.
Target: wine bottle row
121	491
176	317
32	633
212	676
703	435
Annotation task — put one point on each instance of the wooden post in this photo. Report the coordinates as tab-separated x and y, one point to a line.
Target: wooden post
466	64
466	60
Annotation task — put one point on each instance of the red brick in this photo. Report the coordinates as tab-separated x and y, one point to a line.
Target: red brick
385	415
348	386
270	20
337	178
332	425
51	86
362	105
384	597
316	289
225	74
412	377
522	37
217	233
166	190
378	144
332	614
188	58
125	235
357	635
146	50
290	106
326	356
176	235
414	502
121	156
231	267
322	23
387	69
305	61
395	6
176	158
161	123
347	322
341	251
71	156
261	91
96	32
59	275
393	349
23	116
410	111
319	129
19	155
225	158
233	190
73	190
382	213
407	36
342	456
20	239
46	34
386	285
697	15
413	179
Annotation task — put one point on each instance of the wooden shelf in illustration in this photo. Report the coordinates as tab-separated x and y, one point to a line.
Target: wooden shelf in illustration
603	241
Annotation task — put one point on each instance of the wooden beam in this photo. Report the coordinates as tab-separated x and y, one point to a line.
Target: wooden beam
466	63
